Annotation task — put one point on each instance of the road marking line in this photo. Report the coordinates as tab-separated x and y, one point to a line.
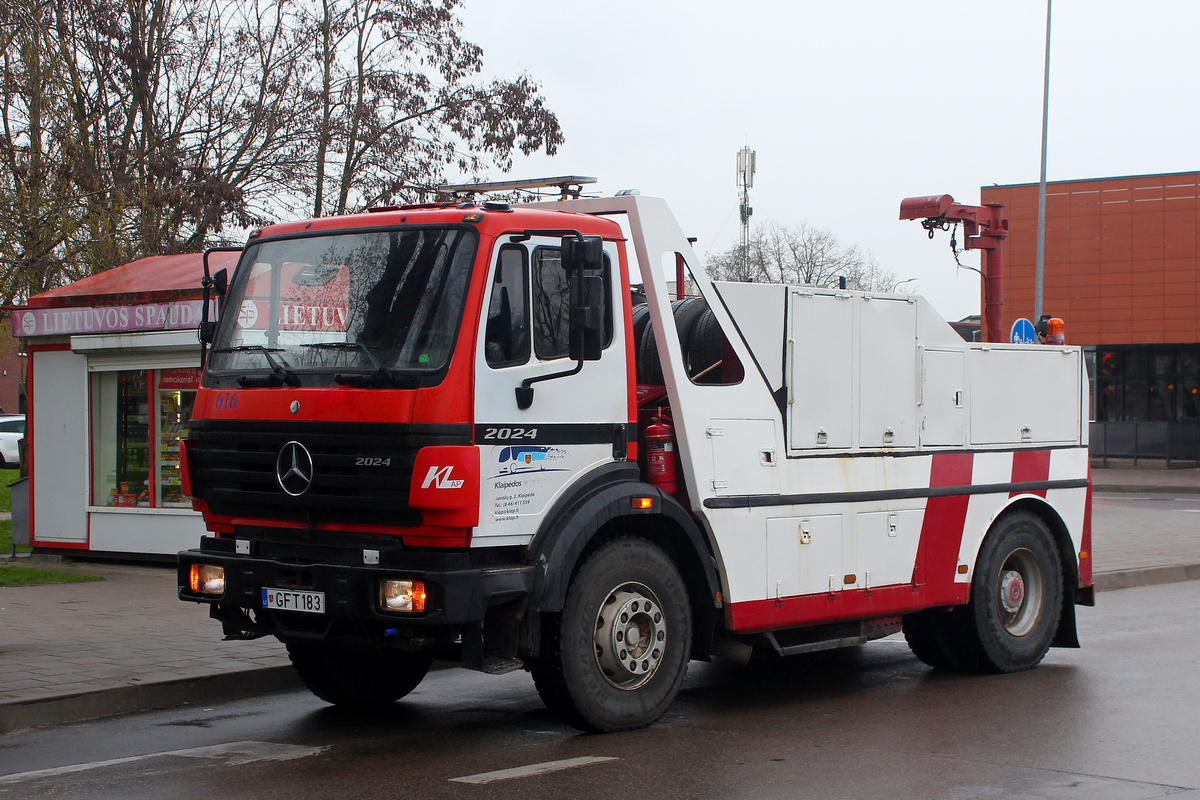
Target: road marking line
1131	499
234	753
532	769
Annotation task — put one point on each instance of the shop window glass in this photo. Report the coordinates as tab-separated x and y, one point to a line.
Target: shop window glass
176	398
1137	400
1135	363
120	439
1109	400
1109	362
1187	386
1161	397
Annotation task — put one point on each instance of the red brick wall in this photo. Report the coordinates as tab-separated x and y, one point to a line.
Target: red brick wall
11	366
1122	262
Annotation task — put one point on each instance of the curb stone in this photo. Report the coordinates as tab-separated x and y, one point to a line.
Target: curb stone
84	706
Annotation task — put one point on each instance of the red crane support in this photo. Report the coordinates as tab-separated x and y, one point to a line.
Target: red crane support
985	230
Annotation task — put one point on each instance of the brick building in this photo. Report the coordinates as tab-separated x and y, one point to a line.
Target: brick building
1122	268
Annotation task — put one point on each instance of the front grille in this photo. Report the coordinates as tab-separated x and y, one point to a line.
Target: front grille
361	473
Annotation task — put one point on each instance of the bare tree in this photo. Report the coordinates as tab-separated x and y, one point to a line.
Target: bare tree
35	177
400	102
800	254
155	127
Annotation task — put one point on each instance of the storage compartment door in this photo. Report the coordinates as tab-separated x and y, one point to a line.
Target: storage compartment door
887	395
943	398
1025	396
804	555
820	377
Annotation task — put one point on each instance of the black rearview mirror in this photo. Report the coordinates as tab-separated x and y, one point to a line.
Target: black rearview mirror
582	252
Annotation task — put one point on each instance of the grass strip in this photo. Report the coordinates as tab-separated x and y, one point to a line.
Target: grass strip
6	546
36	576
7	476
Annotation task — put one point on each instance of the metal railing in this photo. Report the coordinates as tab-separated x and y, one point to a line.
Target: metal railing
1172	441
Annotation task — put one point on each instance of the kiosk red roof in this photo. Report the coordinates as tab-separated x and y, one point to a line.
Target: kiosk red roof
152	279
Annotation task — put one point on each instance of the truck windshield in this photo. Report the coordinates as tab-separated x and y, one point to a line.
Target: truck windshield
382	303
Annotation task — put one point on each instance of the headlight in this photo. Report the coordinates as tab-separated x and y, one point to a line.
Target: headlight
207	579
402	595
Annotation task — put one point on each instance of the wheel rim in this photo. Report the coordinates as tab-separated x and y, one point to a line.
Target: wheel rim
1020	592
630	636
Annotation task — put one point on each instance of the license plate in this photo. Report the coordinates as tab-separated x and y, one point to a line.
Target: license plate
293	600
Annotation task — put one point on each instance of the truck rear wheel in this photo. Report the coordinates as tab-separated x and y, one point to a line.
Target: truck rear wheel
616	656
358	680
1016	602
941	638
1016	594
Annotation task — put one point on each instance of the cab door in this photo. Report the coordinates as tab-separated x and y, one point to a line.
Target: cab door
575	422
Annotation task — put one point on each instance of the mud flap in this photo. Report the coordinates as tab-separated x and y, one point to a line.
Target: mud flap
1067	635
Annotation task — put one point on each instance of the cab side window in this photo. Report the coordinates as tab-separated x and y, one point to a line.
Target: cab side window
552	304
506	338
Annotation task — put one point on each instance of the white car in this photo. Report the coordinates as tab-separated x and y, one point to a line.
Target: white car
12	430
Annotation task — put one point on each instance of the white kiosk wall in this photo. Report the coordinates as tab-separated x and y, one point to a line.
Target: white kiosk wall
60	455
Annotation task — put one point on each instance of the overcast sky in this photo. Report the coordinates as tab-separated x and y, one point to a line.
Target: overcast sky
851	105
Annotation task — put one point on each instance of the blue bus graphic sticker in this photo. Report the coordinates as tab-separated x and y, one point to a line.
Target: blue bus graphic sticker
528	458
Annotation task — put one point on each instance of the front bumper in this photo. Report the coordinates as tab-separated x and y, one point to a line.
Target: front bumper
460	597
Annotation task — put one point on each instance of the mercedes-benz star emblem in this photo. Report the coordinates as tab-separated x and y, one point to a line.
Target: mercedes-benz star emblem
294	407
294	469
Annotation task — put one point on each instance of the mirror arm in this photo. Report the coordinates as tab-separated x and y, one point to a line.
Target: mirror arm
525	390
208	283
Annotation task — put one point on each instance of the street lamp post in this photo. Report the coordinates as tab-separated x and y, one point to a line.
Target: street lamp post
1040	266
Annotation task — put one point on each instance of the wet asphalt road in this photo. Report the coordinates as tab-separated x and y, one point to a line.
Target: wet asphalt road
1117	719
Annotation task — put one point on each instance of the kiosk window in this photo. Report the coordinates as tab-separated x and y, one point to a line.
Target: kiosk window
120	439
138	418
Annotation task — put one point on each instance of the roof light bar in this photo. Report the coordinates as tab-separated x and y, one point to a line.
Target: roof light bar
568	185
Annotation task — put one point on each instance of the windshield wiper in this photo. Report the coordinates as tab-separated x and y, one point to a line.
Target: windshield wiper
381	375
280	369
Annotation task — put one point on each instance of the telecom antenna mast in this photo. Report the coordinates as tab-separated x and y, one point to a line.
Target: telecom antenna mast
745	181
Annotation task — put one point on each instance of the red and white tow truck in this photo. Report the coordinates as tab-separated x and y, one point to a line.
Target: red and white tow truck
452	431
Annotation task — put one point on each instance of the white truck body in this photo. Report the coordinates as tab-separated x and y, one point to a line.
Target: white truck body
828	499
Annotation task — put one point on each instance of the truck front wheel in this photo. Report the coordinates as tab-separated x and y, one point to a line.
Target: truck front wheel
358	680
616	656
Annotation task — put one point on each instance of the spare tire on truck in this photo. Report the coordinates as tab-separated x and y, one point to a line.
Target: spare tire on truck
699	338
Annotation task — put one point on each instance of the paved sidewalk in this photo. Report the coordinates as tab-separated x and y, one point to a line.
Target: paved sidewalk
1134	545
1149	477
78	651
81	651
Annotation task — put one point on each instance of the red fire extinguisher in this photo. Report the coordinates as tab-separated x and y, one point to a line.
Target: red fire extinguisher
660	455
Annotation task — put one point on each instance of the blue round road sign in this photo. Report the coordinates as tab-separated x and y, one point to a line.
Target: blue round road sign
1023	332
